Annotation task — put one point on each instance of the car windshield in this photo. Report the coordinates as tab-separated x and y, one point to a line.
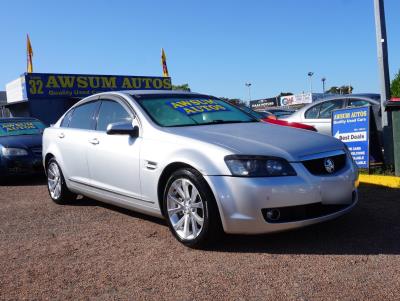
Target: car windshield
21	127
278	113
191	111
256	114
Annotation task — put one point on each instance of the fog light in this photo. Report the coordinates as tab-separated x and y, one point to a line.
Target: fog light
273	214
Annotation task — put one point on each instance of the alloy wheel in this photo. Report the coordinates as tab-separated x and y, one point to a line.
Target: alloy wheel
185	209
54	180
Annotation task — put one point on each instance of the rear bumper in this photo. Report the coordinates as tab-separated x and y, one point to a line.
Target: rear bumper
243	202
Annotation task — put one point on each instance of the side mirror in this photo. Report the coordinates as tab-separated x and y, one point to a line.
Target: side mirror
123	128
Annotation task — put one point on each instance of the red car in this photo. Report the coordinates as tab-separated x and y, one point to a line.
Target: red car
292	124
270	118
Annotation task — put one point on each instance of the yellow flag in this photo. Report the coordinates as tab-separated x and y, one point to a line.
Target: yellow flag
29	53
164	63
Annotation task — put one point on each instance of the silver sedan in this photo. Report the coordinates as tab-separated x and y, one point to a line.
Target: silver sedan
202	164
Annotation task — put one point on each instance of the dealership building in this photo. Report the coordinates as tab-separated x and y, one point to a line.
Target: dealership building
47	96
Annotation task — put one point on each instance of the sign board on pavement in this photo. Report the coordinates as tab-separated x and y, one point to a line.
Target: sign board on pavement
352	127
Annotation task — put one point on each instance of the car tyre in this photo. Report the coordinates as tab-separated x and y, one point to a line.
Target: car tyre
58	190
190	209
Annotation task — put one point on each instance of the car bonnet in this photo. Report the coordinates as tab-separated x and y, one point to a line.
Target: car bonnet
261	139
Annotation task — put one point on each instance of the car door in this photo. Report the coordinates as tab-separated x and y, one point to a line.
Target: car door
320	115
114	159
72	138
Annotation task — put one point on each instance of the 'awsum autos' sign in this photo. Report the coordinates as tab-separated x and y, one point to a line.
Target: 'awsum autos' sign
43	85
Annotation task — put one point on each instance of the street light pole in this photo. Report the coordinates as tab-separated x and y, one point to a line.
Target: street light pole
310	74
323	84
248	85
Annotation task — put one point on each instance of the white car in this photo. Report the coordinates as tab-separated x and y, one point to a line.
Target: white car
319	114
199	162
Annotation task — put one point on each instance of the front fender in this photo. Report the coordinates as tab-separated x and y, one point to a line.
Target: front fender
155	157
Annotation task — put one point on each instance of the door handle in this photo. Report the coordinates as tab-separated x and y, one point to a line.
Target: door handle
61	135
94	141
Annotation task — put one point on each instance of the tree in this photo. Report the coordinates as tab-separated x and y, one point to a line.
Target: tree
285	94
340	90
395	85
183	87
235	101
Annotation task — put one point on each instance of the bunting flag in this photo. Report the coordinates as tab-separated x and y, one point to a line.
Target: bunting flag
164	63
29	54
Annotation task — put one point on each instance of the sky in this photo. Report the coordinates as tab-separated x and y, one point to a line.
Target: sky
214	46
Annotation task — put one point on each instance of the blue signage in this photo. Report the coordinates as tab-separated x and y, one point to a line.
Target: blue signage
45	85
352	127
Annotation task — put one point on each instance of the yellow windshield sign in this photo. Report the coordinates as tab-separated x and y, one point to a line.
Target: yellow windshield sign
197	106
17	126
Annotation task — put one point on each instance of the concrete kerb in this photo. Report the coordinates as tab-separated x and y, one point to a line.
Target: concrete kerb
387	181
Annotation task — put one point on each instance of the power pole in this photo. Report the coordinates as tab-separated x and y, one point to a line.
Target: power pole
381	43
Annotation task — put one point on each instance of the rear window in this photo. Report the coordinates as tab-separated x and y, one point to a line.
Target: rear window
21	127
324	109
357	103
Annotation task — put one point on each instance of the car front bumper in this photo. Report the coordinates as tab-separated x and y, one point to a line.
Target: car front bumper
303	200
20	165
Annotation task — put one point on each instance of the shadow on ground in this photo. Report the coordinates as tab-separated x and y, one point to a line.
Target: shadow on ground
373	227
84	201
36	180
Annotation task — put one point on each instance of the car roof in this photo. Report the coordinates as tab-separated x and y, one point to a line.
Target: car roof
281	109
333	97
346	96
158	92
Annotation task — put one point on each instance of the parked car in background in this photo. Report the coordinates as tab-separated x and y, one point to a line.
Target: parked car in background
197	161
280	112
318	114
268	117
20	146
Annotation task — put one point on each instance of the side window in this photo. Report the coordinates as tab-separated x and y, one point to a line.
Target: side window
67	118
111	112
357	103
82	117
329	106
312	112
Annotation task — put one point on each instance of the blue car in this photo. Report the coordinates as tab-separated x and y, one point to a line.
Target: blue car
20	147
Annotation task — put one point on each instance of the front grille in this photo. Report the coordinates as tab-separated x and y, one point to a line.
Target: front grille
36	151
304	212
317	167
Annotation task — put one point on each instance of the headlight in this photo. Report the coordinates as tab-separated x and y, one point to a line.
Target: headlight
9	152
258	166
